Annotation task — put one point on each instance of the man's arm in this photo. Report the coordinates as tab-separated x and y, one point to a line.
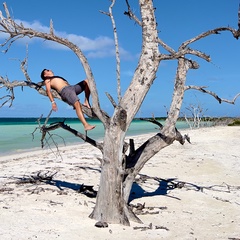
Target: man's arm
49	93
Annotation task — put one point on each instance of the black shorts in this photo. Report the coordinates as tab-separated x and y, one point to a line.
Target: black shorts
69	93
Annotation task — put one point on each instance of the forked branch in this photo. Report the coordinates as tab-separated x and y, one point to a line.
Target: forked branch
62	125
46	129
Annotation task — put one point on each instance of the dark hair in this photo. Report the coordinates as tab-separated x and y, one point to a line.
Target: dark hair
42	74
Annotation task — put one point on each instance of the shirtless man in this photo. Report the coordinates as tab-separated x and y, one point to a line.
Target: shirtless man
68	94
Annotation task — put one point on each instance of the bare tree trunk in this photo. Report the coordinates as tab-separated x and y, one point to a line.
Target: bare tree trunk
110	197
110	205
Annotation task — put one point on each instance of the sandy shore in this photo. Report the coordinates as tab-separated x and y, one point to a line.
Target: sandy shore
205	206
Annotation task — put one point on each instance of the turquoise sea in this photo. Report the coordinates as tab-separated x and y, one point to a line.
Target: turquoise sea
16	134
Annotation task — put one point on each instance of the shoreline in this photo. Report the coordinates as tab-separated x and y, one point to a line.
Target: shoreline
57	211
36	150
25	152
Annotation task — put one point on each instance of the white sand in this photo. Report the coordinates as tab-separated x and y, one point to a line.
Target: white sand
212	161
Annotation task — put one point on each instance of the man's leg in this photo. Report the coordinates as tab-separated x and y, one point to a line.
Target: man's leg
81	117
87	94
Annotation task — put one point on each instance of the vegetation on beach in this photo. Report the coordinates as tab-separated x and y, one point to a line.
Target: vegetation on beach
236	122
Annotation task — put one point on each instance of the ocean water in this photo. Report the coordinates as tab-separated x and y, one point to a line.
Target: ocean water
22	134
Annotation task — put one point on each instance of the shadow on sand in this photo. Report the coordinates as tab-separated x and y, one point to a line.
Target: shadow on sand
162	189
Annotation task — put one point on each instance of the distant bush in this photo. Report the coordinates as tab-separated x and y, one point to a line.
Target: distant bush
235	122
224	121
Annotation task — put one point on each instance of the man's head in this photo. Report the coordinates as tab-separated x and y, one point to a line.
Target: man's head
42	74
46	73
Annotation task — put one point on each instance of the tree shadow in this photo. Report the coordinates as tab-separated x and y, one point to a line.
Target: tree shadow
63	184
164	186
46	177
80	188
137	191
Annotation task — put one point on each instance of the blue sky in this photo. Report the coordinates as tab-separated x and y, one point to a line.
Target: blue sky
82	23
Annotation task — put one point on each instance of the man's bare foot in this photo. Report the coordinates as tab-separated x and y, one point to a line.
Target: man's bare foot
89	127
86	104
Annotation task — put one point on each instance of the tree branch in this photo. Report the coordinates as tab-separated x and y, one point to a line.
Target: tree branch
117	51
17	83
24	69
183	52
131	15
62	125
154	121
178	137
236	34
111	100
5	83
220	100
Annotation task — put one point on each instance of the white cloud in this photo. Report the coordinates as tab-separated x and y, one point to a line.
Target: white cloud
100	47
87	44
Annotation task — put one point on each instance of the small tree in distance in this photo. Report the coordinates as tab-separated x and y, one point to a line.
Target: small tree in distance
121	162
197	116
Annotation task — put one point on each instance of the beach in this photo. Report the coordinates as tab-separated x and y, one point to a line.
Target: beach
199	197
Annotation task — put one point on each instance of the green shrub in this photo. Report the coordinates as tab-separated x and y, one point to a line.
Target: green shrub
235	123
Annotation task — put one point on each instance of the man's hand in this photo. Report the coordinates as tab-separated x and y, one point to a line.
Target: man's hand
54	106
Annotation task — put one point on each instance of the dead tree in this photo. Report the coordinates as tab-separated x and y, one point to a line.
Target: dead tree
196	115
119	167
